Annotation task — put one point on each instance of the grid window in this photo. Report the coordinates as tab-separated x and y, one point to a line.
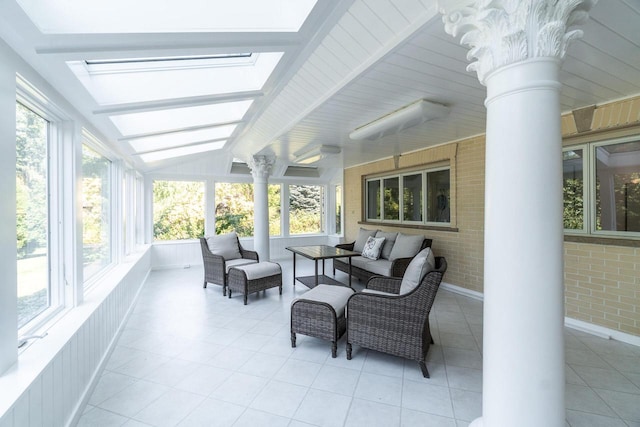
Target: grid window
373	199
305	209
412	198
438	196
573	189
338	213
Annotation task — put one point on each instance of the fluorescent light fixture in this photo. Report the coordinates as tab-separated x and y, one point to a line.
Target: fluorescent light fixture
174	139
403	118
181	151
307	157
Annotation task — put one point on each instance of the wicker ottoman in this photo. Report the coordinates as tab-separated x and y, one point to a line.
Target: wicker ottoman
250	278
320	313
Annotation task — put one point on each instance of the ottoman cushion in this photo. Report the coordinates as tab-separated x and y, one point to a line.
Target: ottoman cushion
235	263
335	296
258	270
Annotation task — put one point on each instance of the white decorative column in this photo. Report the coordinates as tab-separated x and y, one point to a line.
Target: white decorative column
261	169
519	46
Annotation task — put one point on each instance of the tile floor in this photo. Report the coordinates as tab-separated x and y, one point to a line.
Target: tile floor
189	357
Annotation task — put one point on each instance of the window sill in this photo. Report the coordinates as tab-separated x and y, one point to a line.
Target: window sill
597	240
413	226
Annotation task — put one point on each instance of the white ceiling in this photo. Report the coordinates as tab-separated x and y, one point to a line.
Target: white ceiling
350	63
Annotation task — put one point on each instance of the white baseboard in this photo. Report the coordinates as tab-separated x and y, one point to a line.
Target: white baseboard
579	325
462	291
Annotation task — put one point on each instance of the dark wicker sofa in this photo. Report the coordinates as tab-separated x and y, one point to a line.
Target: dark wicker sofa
398	266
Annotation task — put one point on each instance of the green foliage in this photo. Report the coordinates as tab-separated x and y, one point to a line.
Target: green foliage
31	181
178	210
305	209
573	213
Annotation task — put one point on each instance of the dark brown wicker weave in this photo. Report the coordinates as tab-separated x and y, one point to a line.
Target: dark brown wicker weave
317	319
398	266
237	282
397	325
215	267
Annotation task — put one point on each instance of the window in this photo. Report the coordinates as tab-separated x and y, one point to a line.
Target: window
602	188
178	210
306	209
338	209
275	203
234	208
32	214
425	197
96	212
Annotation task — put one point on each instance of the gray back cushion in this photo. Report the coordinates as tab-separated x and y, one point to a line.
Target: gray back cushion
419	266
406	246
363	235
389	240
225	245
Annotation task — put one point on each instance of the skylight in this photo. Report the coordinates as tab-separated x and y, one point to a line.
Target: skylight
120	81
181	151
179	118
170	140
155	16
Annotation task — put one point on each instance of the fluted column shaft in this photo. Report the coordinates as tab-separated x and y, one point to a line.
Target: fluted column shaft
260	170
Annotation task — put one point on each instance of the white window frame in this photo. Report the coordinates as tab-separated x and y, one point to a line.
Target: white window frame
586	194
58	161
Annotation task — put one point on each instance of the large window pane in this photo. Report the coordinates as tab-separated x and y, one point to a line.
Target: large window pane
275	195
412	197
305	209
32	228
618	187
438	196
573	189
178	210
373	199
96	212
234	208
392	198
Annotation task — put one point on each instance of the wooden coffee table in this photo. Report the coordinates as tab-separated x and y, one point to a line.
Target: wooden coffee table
316	253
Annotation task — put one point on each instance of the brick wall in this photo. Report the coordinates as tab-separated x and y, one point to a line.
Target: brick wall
602	282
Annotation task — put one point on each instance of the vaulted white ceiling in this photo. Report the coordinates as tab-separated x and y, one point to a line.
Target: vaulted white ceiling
345	64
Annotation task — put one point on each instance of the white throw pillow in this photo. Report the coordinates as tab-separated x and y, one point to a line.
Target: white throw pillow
373	247
419	266
389	240
225	245
406	246
363	235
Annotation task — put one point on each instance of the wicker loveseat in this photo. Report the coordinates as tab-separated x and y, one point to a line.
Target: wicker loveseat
385	319
392	262
219	254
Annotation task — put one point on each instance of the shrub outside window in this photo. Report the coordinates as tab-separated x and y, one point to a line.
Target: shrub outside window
373	199
234	208
306	209
338	213
32	214
96	212
178	210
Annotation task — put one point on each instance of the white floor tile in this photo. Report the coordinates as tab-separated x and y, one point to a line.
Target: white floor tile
465	378
172	372
109	384
134	398
213	413
581	398
169	409
299	372
583	419
365	413
279	398
254	418
424	397
626	405
323	408
100	418
239	388
608	379
204	380
379	388
336	380
467	405
383	364
263	365
411	418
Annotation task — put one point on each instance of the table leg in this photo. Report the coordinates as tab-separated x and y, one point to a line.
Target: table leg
294	269
349	271
316	272
323	267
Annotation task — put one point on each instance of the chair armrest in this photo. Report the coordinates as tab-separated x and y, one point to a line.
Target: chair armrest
385	284
247	254
346	246
399	266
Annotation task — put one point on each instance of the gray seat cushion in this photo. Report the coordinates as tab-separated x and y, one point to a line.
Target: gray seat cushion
335	296
238	262
380	267
258	270
363	235
389	241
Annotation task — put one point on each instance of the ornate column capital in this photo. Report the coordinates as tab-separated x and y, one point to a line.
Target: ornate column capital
503	32
261	166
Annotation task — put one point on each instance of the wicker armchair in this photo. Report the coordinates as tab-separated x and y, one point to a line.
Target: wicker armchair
394	324
216	268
